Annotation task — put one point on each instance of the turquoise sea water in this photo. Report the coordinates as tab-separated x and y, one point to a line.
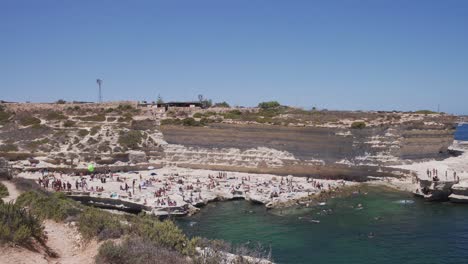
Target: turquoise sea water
392	227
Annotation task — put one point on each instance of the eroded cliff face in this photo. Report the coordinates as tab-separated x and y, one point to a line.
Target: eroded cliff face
256	143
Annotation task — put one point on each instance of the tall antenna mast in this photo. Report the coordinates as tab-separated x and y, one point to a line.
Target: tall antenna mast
99	82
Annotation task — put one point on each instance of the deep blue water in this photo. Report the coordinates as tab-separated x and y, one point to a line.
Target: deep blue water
386	230
462	132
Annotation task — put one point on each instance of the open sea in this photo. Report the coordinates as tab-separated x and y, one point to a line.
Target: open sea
462	133
389	227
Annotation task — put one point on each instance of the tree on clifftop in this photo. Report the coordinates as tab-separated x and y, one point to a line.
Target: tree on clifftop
159	100
268	105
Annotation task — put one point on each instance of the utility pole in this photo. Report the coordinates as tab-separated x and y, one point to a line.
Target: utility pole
99	82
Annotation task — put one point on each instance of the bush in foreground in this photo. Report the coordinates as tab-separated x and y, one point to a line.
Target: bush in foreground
103	225
19	226
137	250
53	206
3	190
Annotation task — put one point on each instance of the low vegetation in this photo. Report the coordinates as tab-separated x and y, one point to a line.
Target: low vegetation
33	145
53	115
94	118
83	132
425	112
9	147
222	104
3	190
19	226
130	139
69	123
94	130
29	121
358	125
269	105
53	206
4	115
137	250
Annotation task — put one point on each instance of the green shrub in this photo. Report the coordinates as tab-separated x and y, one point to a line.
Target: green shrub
163	233
55	206
29	121
95	130
125	107
69	123
97	223
55	116
233	114
170	121
222	104
4	116
19	226
269	104
130	139
425	112
26	185
137	250
83	132
3	190
36	143
358	125
61	101
198	115
190	122
94	118
9	147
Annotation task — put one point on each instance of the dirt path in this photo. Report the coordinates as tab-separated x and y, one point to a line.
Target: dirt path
63	239
13	193
67	242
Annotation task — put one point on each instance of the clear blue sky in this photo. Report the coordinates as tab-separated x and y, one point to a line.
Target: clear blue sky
360	54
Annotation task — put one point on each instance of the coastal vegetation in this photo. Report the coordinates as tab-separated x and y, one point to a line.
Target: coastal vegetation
425	112
19	226
4	115
3	191
269	105
29	121
130	139
69	123
222	104
8	147
358	125
54	115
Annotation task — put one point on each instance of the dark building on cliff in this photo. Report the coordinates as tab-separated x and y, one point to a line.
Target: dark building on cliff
168	105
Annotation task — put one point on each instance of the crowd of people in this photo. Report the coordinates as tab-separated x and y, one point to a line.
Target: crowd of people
173	190
434	175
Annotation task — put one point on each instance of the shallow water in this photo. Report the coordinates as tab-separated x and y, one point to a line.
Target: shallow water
388	227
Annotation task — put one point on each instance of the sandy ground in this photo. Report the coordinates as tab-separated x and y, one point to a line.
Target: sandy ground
64	239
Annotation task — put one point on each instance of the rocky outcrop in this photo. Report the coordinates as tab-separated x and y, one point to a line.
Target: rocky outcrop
137	157
435	190
459	193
